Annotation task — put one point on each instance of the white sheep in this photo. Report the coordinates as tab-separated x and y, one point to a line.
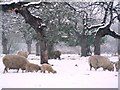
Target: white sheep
97	61
23	53
14	62
31	67
47	67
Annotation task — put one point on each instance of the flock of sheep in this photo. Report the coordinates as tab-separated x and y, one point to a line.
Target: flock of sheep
20	61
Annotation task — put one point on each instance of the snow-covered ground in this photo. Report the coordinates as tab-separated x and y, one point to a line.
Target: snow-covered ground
68	75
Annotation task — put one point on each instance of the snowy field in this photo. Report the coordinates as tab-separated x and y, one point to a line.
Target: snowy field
68	75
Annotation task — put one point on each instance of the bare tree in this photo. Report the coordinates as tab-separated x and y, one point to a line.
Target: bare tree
85	35
119	39
27	33
8	30
119	29
105	29
4	43
35	22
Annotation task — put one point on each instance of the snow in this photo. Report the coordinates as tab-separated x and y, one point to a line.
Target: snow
10	1
95	26
68	75
31	3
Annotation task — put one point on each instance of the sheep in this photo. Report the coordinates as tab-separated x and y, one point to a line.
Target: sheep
55	55
97	61
23	53
14	62
47	67
117	64
31	67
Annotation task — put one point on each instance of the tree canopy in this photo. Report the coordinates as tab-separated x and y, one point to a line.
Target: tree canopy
76	23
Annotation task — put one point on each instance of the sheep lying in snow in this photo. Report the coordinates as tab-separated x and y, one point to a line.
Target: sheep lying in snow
31	67
117	65
14	62
97	61
47	67
23	53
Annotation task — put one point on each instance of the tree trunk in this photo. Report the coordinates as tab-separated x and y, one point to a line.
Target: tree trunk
36	24
118	46
97	45
37	48
43	47
89	52
101	33
29	42
50	50
83	46
29	47
119	39
84	40
4	43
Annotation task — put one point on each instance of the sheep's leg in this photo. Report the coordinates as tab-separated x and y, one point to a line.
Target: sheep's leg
22	71
26	70
5	69
95	68
104	69
17	70
36	70
117	69
59	58
31	70
90	67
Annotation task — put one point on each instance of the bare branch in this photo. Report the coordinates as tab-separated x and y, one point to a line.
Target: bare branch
39	3
71	7
113	34
95	26
11	6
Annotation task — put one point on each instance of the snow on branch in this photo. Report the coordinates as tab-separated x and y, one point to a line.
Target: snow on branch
102	26
37	3
16	4
114	34
95	26
9	2
32	3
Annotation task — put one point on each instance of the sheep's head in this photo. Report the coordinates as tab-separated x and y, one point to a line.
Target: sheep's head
54	71
110	67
